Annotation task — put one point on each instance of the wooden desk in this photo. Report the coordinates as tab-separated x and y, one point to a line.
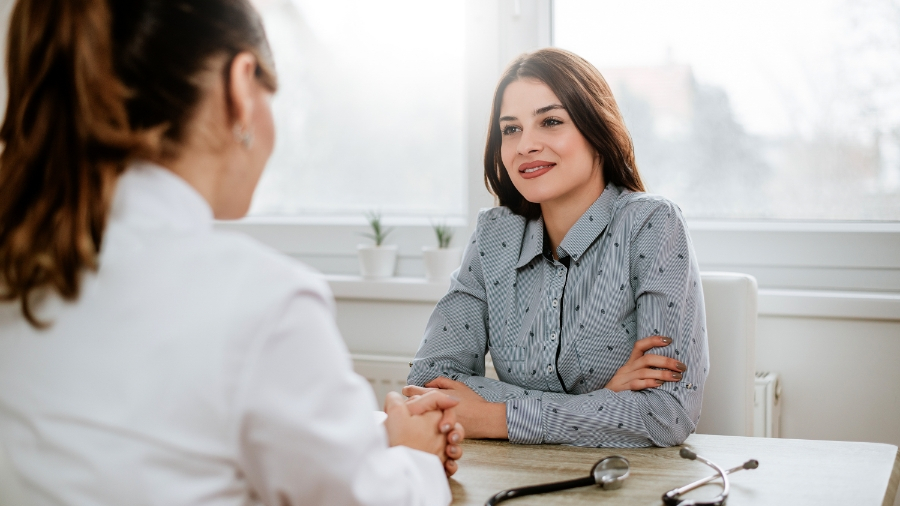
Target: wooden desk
791	472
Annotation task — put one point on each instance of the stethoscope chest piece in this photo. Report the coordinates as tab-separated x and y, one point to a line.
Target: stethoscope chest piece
608	474
611	472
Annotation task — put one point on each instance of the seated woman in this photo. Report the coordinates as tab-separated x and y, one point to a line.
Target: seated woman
584	289
175	364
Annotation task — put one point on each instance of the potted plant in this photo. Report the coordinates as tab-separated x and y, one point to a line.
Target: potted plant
440	262
378	260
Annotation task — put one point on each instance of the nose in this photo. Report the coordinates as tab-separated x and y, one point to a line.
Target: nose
528	143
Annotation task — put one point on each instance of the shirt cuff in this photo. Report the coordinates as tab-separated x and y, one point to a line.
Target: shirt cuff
523	421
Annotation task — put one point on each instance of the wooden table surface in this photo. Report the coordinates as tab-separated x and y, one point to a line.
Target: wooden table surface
791	472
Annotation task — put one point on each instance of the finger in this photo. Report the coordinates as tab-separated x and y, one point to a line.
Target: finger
642	345
433	400
450	467
413	390
394	403
641	384
454	452
656	374
442	382
457	435
660	361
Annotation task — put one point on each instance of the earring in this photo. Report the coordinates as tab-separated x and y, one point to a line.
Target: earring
244	136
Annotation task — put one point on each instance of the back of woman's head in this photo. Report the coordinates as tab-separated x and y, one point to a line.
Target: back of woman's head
590	103
94	84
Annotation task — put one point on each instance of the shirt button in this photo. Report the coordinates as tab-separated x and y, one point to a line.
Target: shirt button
553	336
549	368
555	303
559	272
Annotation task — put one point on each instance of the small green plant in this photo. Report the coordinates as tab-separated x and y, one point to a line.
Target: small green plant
378	231
444	234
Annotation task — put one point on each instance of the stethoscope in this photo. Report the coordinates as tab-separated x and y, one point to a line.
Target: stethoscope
610	472
673	497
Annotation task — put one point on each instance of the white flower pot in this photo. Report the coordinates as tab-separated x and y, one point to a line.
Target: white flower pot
440	263
377	262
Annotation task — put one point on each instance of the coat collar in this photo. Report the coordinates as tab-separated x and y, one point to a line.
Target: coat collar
151	196
582	234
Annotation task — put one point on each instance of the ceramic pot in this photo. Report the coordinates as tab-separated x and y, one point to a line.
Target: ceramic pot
376	262
440	263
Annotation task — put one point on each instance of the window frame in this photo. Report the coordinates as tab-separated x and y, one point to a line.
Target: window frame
788	255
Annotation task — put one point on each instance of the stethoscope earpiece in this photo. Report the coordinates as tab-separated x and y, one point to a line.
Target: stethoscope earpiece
673	497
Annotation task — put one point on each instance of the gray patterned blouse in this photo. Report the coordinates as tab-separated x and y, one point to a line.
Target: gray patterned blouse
557	330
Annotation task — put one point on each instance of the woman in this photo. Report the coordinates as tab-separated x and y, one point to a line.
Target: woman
144	357
584	289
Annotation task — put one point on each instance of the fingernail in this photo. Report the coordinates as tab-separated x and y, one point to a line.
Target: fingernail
676	375
454	438
445	428
681	367
659	382
667	340
453	450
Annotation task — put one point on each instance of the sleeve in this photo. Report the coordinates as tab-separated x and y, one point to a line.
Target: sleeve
305	423
668	302
456	336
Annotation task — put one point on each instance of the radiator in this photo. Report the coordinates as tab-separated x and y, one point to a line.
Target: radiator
388	374
767	405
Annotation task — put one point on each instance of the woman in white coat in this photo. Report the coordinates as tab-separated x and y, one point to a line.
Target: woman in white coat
144	357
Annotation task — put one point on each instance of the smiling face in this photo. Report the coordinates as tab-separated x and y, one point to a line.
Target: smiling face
547	158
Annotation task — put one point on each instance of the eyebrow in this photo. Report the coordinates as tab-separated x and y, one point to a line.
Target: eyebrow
537	112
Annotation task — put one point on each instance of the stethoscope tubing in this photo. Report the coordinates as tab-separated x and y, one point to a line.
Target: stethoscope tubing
704	481
539	489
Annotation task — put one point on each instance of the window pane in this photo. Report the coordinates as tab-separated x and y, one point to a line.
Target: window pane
369	111
785	109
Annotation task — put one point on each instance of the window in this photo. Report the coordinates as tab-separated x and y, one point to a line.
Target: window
769	109
369	115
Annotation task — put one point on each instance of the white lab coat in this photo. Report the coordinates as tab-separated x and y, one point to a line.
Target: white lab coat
197	367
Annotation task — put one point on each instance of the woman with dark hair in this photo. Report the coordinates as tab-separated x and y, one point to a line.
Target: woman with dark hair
584	289
144	357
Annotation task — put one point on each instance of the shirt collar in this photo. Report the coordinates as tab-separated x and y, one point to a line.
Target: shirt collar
582	234
150	196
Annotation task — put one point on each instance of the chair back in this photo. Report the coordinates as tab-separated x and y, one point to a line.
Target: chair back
730	300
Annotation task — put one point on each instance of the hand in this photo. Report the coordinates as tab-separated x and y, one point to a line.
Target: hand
481	419
646	371
432	400
420	432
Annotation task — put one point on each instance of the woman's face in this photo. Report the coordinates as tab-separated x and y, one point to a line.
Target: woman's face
545	155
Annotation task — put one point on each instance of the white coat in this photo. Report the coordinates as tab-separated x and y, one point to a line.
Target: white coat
197	367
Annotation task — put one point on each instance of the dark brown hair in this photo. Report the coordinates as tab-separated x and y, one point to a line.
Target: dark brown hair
588	100
92	85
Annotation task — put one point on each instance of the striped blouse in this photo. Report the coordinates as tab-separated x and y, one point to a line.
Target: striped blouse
558	330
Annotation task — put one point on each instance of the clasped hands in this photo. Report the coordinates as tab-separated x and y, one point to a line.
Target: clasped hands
483	419
427	423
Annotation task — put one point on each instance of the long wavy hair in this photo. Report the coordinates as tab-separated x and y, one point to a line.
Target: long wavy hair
587	98
94	84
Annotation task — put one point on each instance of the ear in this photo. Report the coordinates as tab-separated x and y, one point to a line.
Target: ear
242	82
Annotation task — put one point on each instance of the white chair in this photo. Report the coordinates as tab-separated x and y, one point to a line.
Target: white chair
10	489
731	328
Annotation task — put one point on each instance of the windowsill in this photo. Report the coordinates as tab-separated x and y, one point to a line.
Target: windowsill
772	302
388	289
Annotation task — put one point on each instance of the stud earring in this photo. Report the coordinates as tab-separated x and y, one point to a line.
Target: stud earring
244	136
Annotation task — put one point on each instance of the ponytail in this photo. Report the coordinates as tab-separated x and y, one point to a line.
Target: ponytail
94	84
66	138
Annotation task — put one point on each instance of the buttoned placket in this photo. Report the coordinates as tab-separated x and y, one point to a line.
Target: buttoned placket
558	273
